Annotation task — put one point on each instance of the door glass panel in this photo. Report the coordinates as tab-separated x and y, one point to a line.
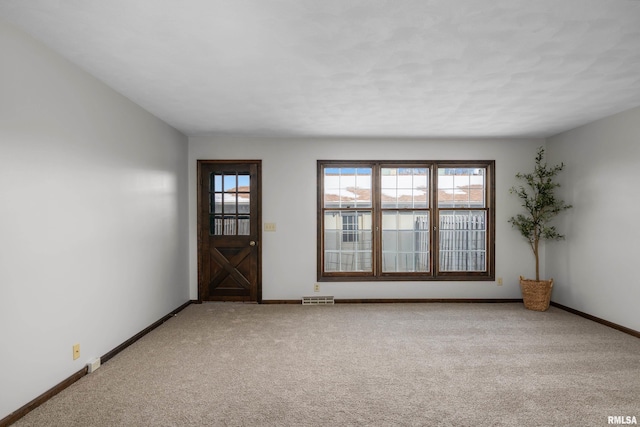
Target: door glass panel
229	225
216	225
229	182
222	225
244	182
463	240
347	241
244	225
405	241
229	203
216	184
244	202
216	203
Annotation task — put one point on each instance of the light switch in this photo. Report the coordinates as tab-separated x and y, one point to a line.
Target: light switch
269	226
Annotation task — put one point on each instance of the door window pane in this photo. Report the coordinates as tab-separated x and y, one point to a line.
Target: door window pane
222	225
215	203
229	182
244	202
244	182
244	225
216	184
230	202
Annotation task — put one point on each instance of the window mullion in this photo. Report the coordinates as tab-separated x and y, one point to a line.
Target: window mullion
376	246
435	218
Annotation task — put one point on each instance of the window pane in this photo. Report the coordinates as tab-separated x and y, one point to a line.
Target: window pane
244	225
331	240
405	241
222	225
229	225
244	182
461	187
347	187
215	222
229	182
463	240
229	203
216	203
404	187
216	183
244	200
347	241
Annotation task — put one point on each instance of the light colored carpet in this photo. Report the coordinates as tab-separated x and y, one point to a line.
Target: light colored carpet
227	364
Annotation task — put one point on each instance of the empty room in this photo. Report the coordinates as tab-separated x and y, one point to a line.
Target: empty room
311	213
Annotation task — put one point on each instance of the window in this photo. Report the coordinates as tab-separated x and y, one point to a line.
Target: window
229	204
427	220
347	220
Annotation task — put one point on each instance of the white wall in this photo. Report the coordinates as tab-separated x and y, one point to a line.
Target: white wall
93	219
596	267
289	168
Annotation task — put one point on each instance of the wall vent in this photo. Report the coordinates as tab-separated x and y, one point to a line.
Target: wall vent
93	365
317	300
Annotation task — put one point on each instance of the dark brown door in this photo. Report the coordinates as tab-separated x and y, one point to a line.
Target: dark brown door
229	231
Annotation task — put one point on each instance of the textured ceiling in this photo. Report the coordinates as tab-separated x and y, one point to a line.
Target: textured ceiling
405	68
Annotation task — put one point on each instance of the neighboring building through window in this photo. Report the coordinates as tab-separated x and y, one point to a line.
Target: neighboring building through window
405	220
349	228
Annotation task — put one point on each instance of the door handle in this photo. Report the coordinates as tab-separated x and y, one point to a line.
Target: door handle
252	243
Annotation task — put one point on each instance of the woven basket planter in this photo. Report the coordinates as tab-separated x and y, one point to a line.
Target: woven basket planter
536	295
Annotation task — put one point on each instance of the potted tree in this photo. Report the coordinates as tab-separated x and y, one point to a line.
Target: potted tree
540	206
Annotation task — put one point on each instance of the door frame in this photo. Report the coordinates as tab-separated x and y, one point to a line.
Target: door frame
201	182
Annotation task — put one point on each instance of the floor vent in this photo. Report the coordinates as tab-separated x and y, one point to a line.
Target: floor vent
317	300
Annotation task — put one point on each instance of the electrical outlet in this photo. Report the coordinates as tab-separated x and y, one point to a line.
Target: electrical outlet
316	287
499	281
76	351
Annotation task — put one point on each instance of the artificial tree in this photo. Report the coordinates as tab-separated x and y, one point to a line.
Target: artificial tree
540	205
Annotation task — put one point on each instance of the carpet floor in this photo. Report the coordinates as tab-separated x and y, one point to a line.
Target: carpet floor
228	364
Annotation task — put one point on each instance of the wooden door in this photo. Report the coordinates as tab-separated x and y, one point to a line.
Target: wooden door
229	231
